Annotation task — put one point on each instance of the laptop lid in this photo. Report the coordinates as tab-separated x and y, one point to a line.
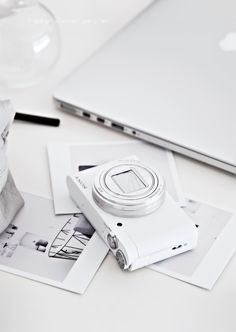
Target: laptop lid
168	77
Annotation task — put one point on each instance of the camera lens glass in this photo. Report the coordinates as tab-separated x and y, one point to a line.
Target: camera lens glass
128	181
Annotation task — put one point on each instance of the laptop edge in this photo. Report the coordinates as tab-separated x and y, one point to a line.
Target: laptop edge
137	133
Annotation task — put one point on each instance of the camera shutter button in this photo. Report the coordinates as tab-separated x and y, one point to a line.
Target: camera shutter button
112	241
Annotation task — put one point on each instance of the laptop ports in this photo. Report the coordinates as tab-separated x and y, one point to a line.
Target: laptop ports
117	126
100	120
86	115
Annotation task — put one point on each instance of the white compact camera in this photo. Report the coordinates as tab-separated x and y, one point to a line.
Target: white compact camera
127	204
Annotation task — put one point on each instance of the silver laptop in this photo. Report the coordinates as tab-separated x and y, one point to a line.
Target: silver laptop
169	78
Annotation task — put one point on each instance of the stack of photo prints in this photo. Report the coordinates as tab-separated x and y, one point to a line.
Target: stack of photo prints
52	242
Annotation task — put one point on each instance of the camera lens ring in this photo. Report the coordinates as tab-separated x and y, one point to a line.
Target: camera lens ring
132	204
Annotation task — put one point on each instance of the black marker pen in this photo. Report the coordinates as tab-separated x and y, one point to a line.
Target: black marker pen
37	119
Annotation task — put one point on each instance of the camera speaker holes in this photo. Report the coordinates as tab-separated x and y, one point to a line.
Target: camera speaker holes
134	132
119	224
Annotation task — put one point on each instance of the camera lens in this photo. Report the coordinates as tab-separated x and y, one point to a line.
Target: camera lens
120	257
127	188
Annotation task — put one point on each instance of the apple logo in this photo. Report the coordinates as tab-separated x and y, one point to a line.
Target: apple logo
228	44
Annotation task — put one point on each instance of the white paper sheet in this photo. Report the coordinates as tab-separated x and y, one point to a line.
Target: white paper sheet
63	251
216	245
65	159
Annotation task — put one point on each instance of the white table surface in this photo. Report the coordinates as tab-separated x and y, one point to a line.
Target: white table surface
139	301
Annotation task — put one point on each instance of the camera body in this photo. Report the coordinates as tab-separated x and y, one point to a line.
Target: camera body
127	204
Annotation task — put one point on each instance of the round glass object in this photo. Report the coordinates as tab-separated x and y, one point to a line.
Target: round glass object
29	42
